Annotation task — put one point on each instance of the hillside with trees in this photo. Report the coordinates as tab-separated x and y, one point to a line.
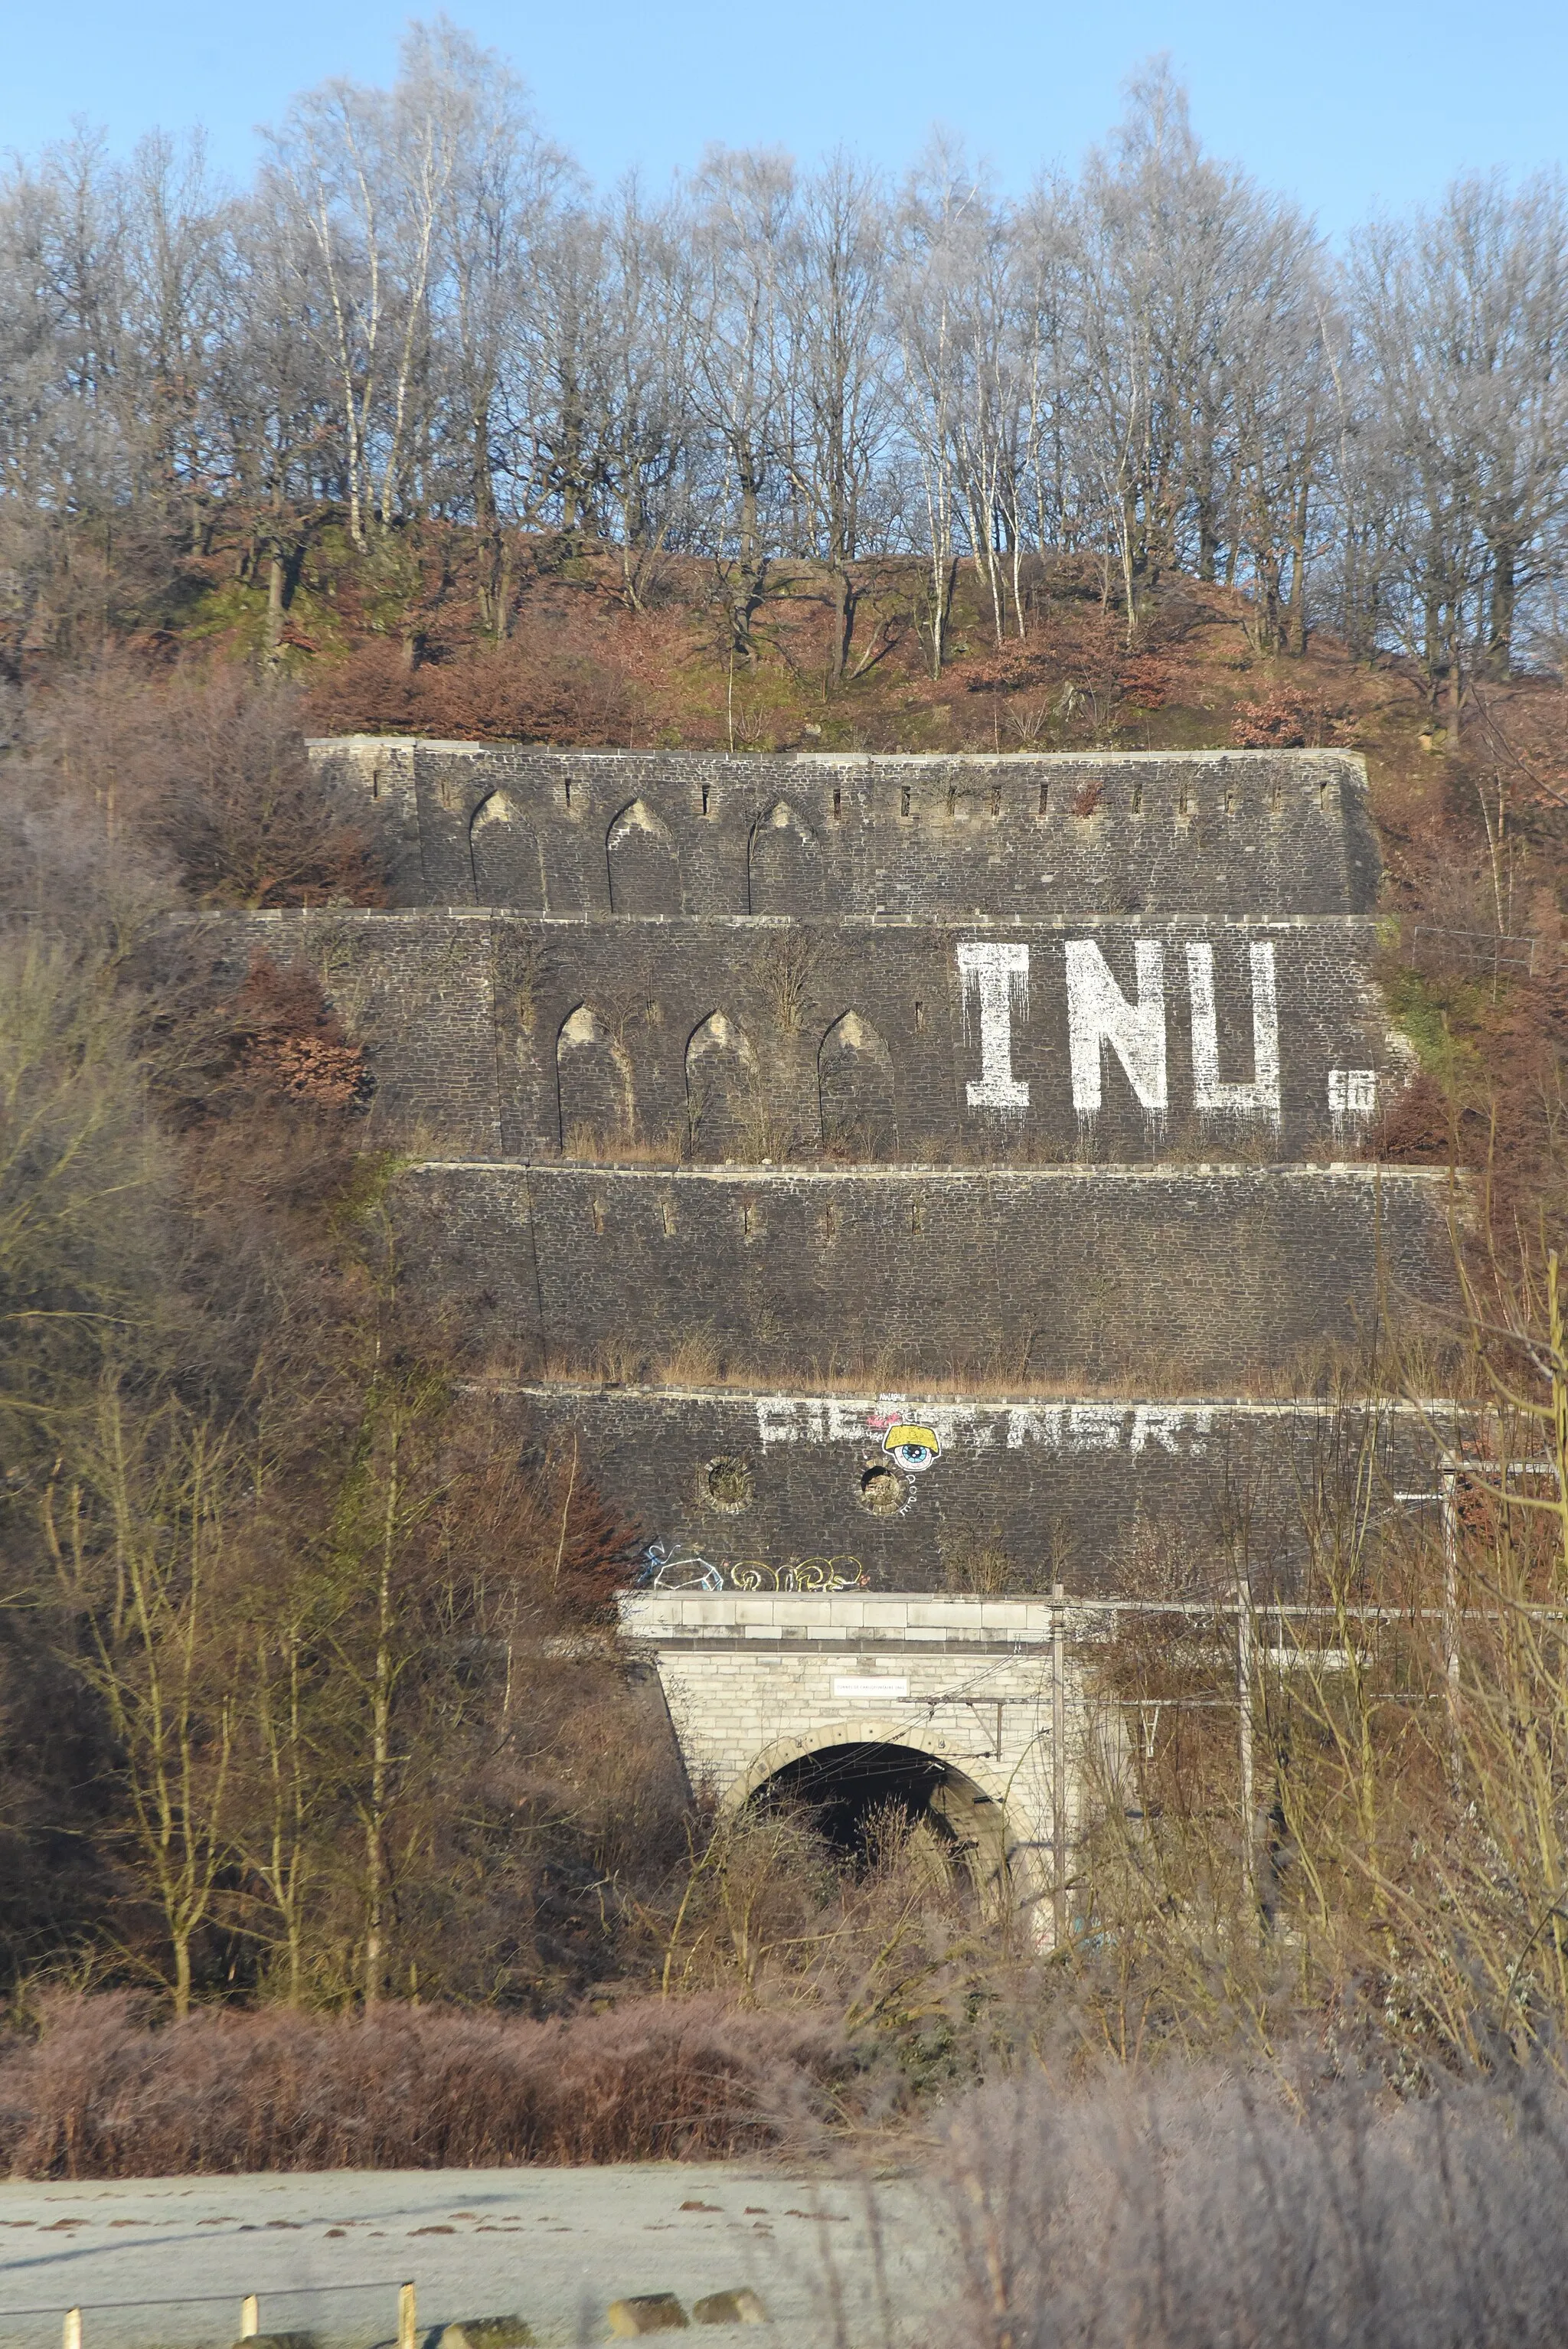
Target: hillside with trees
308	1693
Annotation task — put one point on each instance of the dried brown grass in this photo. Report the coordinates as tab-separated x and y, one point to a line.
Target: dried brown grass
1206	2211
100	2092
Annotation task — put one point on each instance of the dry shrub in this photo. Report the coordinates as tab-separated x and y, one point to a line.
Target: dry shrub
100	2094
1146	681
1206	2212
293	1044
1417	1129
1285	720
538	689
206	770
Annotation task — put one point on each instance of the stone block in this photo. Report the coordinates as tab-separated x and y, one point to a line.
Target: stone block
649	2312
741	2307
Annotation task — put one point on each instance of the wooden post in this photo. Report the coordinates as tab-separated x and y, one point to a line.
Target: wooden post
250	2316
1059	1770
408	2320
1451	1615
73	2337
1245	1639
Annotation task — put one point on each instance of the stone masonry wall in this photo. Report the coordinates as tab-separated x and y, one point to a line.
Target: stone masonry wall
742	1038
1180	1278
1108	1496
1245	833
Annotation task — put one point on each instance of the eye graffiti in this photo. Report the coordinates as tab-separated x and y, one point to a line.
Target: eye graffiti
912	1446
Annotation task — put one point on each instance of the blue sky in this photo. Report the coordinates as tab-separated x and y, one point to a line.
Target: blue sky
1346	106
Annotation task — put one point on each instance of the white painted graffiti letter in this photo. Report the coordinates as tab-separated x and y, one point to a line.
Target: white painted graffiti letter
1260	1099
1099	1014
995	978
1352	1099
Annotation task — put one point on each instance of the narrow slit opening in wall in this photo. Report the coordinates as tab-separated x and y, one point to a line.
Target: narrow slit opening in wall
566	789
838	803
1230	798
995	800
598	1212
705	808
830	1225
903	799
1323	792
1181	800
951	799
920	1014
1045	798
917	1215
1137	798
746	1220
669	1218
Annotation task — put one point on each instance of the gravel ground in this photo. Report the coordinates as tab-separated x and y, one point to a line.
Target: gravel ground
834	2262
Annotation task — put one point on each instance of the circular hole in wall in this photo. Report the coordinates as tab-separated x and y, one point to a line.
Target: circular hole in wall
881	1489
728	1484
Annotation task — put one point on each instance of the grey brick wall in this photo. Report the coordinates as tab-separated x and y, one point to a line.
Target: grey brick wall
1108	1495
1197	1278
465	1014
578	832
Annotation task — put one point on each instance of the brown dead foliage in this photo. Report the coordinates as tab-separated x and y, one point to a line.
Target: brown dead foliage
99	2093
547	689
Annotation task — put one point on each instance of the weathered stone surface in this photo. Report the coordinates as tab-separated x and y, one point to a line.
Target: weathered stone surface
649	2312
589	833
742	2307
1107	1495
744	1038
483	2333
1184	1279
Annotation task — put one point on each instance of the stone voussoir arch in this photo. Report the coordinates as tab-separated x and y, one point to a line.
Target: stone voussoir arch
866	1729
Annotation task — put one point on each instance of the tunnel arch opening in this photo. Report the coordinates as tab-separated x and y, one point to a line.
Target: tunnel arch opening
865	1795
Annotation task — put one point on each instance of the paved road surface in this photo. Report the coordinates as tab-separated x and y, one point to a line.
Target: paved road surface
834	2262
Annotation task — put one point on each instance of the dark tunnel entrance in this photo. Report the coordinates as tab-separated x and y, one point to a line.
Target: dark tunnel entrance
862	1797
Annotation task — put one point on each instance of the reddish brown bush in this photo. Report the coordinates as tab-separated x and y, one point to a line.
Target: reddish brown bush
1146	681
1417	1129
292	1043
1286	720
101	2093
539	691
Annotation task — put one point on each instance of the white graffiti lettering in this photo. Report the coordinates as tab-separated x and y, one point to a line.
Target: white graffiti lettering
1180	1429
995	979
1260	1097
1352	1099
1099	1014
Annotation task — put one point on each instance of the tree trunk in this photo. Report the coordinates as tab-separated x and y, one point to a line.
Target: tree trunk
380	1759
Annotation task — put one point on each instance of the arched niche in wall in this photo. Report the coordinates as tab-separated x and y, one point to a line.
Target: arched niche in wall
723	1097
645	871
594	1075
855	1089
508	863
784	863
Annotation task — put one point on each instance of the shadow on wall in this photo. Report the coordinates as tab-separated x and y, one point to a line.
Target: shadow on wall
644	870
784	864
723	1092
594	1075
855	1091
506	858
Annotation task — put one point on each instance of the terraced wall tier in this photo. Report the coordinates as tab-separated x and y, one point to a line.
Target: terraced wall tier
1180	1279
769	1491
1249	832
742	1039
